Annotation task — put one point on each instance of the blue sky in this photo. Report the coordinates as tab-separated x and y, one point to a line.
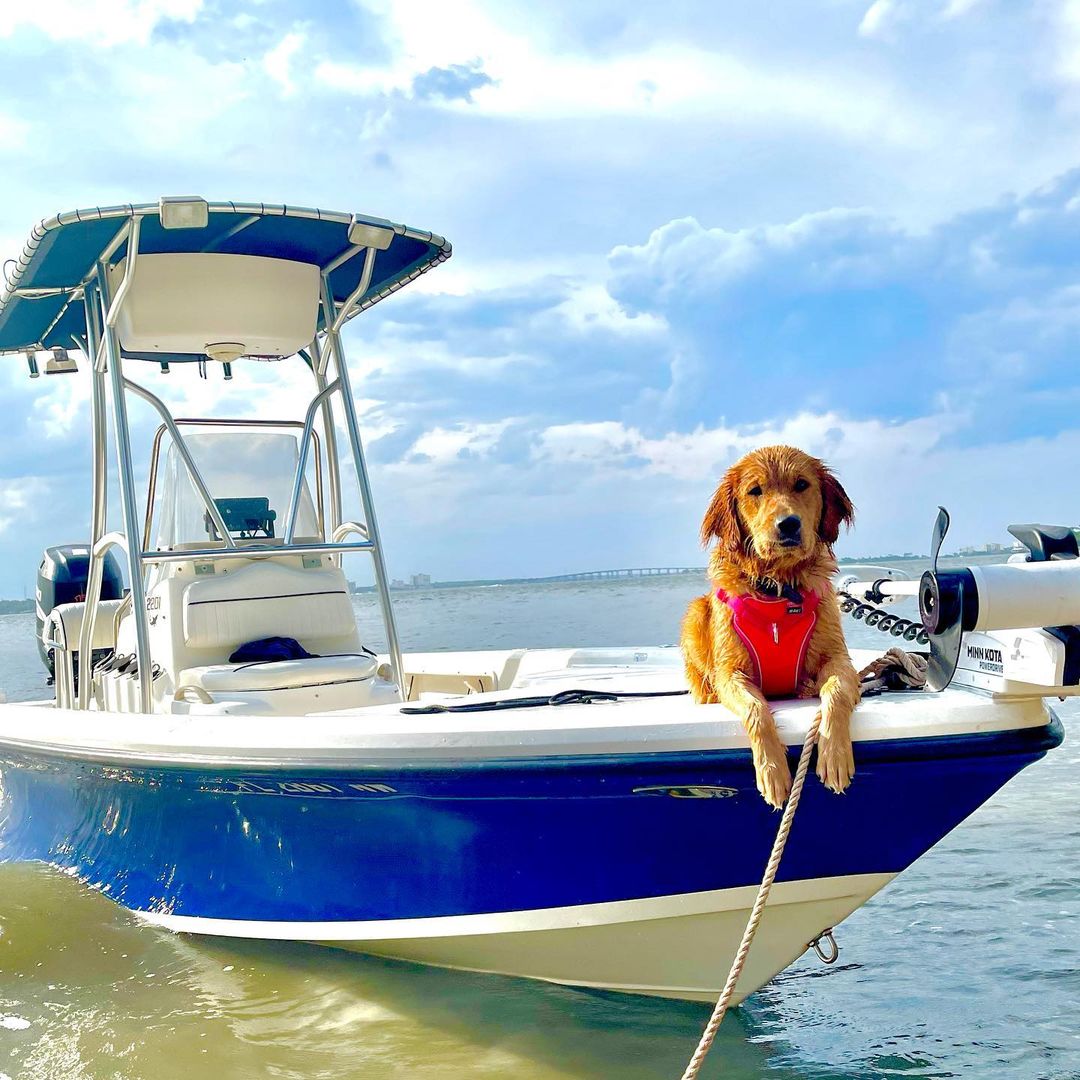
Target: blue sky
678	234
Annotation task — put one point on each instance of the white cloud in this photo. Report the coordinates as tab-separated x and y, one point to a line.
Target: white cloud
1067	40
699	455
19	499
277	62
896	473
835	248
589	306
666	81
954	9
154	108
105	22
465	277
14	132
443	445
883	17
361	80
590	476
65	403
395	349
879	18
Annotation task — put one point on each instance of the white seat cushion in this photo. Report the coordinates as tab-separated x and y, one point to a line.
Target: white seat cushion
278	674
267	600
65	621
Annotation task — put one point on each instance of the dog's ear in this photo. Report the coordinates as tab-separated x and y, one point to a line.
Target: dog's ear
722	516
836	508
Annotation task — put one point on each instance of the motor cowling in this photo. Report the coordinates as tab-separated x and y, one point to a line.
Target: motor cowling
62	578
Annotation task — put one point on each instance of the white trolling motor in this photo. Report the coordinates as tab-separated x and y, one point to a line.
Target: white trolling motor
1010	628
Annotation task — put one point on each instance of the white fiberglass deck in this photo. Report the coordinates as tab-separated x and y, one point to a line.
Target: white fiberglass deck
232	734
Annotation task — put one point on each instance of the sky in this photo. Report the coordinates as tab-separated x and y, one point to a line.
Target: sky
678	233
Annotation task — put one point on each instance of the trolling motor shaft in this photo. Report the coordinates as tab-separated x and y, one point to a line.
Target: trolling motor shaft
1001	597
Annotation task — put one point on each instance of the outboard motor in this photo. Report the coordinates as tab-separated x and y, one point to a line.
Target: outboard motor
62	578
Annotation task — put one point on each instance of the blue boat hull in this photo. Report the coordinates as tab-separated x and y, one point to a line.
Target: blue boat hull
405	842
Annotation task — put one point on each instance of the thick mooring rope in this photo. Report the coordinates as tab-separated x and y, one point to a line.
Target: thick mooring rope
711	1028
896	671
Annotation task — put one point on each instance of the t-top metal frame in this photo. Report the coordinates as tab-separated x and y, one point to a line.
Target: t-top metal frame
102	346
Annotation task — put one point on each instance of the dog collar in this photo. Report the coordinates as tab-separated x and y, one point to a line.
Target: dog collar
774	589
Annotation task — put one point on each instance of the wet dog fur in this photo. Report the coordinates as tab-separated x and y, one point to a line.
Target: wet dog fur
765	488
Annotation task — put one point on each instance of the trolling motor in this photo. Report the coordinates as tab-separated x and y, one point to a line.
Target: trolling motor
1008	628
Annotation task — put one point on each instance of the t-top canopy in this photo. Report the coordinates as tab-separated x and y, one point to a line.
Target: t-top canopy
41	303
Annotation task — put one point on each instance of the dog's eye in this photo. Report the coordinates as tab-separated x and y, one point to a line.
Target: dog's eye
755	490
801	485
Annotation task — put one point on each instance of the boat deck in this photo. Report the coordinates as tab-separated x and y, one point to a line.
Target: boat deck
232	736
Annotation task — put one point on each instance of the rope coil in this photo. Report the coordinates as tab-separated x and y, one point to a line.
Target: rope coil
895	672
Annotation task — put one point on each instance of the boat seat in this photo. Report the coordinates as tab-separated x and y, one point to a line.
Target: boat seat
63	625
277	674
264	600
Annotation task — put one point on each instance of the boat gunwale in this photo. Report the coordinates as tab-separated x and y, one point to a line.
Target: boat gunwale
1029	739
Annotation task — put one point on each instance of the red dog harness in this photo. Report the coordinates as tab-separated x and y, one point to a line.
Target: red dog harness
776	634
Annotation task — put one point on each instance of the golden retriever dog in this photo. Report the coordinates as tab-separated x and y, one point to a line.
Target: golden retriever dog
771	625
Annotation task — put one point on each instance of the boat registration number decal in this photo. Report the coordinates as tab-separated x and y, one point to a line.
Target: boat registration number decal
689	791
307	789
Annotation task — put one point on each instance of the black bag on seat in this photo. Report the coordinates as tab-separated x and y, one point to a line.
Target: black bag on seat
270	649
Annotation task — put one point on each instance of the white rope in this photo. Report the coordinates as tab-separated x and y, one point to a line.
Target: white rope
711	1028
896	670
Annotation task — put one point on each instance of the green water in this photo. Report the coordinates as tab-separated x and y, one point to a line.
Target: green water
968	965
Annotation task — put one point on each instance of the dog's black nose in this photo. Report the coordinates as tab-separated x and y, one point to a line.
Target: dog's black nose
789	527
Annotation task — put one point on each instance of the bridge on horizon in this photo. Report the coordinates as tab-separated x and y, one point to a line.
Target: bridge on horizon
585	575
624	572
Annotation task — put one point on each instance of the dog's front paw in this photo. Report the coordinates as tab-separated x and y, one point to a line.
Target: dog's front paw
835	762
772	772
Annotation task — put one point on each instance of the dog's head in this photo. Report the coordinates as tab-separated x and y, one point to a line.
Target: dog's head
774	507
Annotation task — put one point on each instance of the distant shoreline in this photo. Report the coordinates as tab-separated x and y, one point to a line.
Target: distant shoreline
16	607
588	577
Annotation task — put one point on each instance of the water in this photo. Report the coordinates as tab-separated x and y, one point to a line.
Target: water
968	965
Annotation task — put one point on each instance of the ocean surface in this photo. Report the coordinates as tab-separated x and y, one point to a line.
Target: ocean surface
967	965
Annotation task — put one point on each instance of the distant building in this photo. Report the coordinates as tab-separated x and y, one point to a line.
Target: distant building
420	581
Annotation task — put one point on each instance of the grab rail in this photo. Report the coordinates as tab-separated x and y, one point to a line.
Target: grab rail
260	551
113	314
347	527
63	668
93	598
301	463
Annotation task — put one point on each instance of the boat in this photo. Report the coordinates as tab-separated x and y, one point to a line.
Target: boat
222	754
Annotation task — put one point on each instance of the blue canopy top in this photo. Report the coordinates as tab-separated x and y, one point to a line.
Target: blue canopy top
41	303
